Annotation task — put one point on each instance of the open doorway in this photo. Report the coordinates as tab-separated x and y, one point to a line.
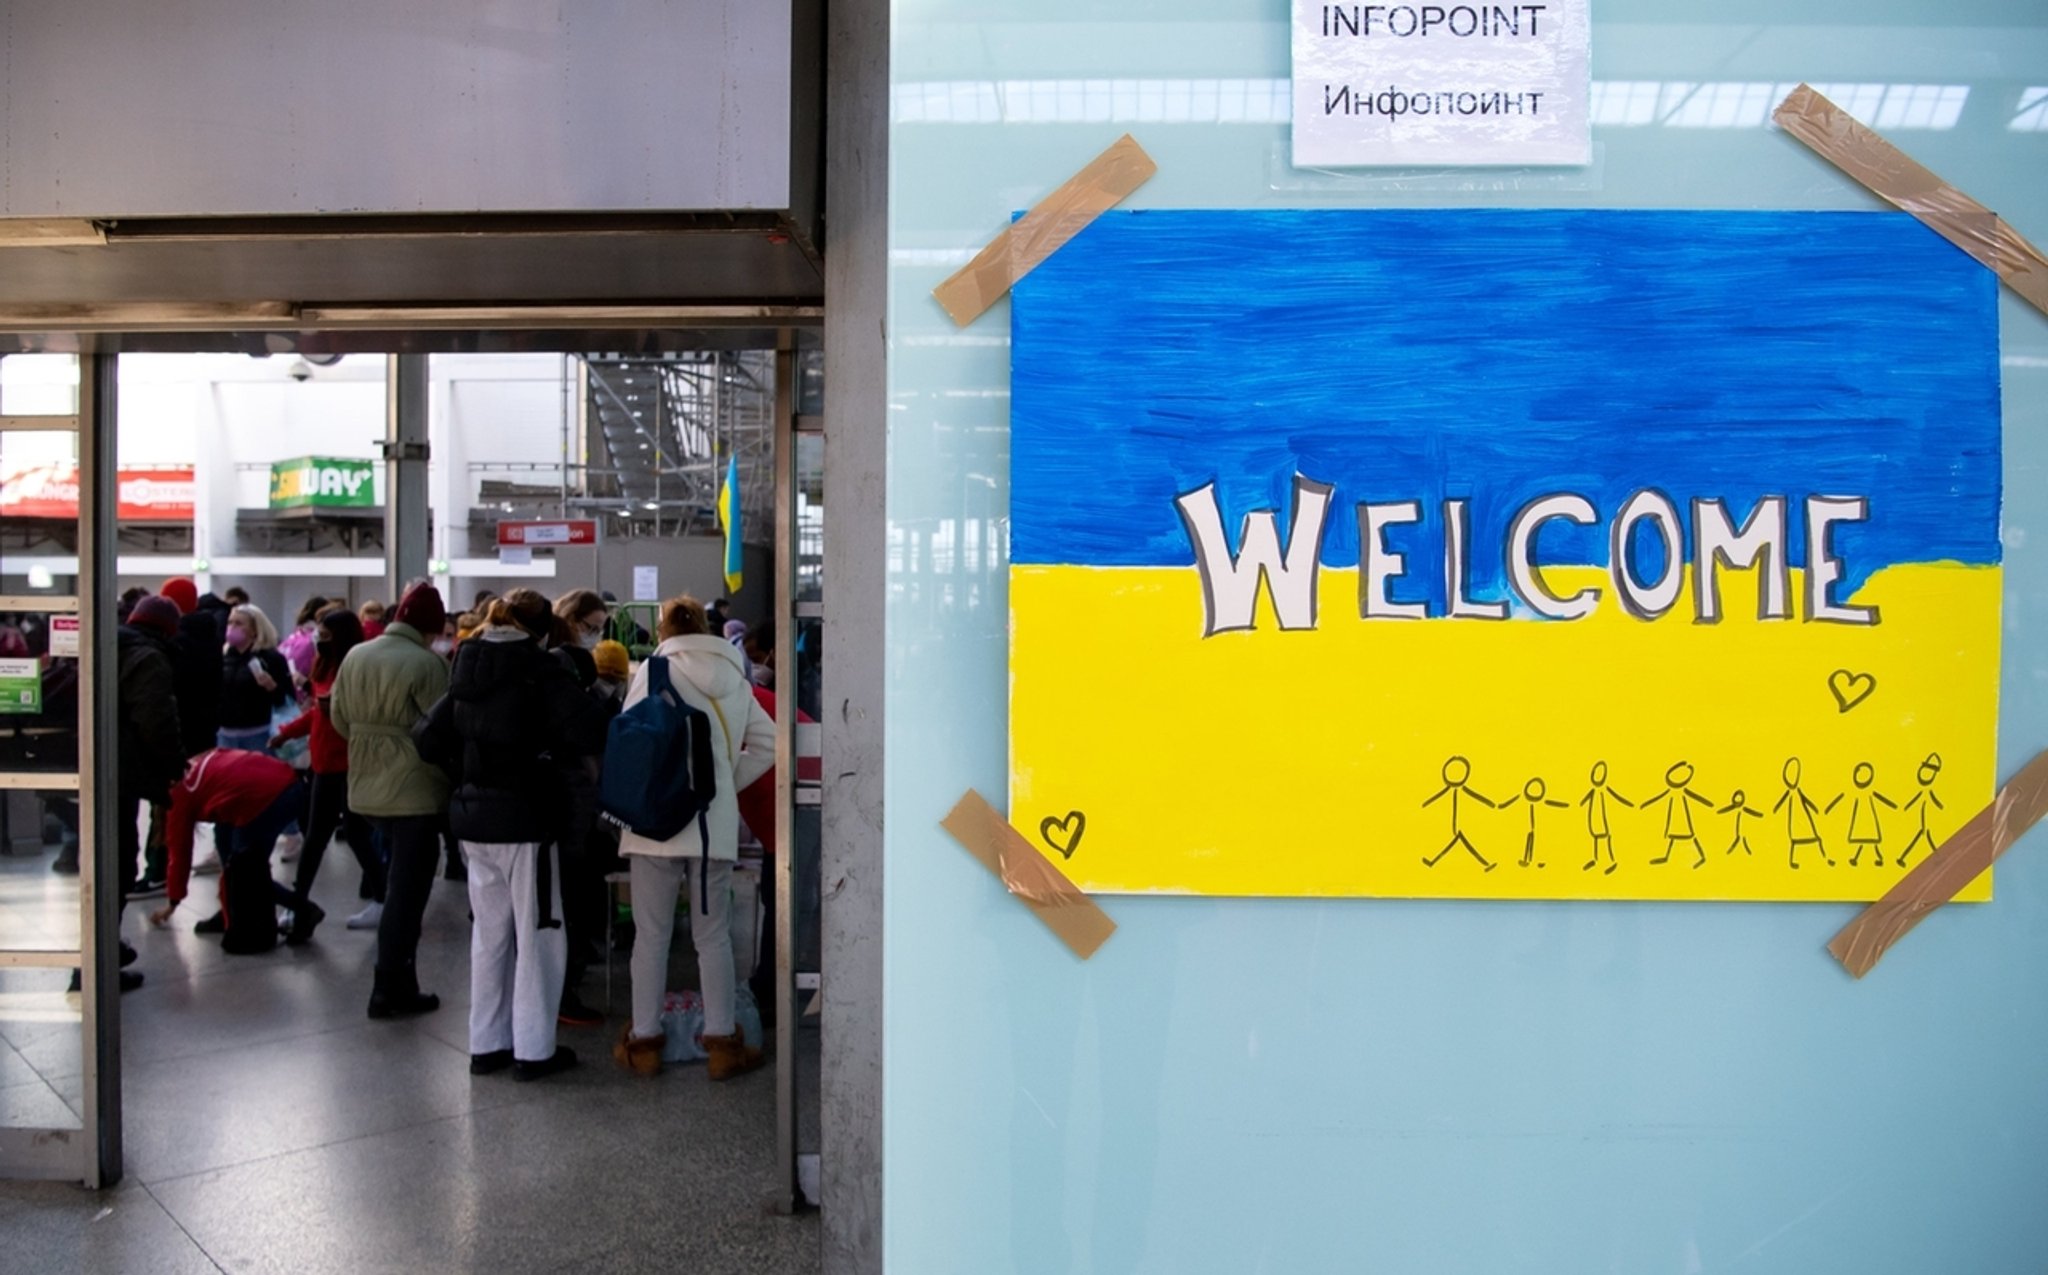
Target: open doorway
264	1113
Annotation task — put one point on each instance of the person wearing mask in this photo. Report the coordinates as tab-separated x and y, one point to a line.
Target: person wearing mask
382	689
336	633
371	613
512	716
255	681
235	596
249	798
706	671
581	618
297	647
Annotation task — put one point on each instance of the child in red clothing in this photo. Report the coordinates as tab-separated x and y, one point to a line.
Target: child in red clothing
337	632
250	798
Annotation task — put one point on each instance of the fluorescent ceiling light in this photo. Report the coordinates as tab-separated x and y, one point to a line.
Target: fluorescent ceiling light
2032	115
1614	103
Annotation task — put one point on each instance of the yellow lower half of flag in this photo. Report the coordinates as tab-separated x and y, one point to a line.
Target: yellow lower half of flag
1322	762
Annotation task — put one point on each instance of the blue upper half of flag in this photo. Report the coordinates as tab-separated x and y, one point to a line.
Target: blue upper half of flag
1498	355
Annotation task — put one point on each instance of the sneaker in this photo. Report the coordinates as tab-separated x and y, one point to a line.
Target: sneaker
148	888
66	862
128	954
215	924
485	1064
368	918
574	1013
289	845
564	1059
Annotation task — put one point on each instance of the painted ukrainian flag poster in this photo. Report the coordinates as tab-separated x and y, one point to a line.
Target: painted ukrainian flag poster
1503	554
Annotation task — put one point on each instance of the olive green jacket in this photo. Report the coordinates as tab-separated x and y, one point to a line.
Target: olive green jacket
384	686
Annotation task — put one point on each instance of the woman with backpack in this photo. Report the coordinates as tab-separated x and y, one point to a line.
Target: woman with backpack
709	675
512	713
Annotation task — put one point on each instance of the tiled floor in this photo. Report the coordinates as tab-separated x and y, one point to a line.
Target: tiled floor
271	1126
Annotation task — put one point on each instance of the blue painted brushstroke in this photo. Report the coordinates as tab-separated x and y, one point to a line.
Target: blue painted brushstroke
1496	355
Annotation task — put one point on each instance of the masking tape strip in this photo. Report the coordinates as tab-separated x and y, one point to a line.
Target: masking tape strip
1893	176
1043	231
1029	875
1954	864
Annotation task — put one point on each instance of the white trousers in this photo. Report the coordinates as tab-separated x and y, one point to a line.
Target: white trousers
655	883
515	967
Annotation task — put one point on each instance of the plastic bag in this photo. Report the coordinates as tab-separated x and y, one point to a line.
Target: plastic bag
682	1021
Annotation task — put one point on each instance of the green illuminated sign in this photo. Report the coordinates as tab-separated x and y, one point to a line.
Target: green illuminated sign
323	482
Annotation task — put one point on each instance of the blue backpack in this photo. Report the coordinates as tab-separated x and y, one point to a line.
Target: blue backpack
660	771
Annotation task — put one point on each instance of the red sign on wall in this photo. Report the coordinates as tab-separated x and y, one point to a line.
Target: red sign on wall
156	494
575	531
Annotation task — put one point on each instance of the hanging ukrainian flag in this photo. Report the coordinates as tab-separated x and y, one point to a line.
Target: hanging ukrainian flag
729	521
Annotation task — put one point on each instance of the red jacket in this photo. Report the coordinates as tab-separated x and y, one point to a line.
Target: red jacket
223	786
757	800
329	750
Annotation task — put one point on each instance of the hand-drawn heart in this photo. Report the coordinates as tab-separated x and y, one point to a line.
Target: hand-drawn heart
1064	835
1850	689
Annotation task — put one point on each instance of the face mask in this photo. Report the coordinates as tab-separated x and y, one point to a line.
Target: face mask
443	646
239	637
589	641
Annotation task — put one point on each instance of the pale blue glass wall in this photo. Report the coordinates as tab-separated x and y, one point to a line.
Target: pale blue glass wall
1255	1085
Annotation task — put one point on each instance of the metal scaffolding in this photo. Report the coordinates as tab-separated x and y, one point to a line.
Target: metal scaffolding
661	431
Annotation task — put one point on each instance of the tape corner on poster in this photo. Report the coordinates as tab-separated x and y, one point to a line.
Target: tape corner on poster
1966	855
1026	873
1872	160
1102	184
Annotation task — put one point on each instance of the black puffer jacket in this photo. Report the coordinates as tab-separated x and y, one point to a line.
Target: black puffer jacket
512	722
244	704
150	754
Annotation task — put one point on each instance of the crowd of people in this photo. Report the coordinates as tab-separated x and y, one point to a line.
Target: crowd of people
470	746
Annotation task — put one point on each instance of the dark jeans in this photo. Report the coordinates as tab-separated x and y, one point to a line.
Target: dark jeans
248	890
413	843
328	812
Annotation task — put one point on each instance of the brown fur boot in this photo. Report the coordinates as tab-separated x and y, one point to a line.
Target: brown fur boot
641	1057
730	1056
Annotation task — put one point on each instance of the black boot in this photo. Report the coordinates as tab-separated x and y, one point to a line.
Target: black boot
397	994
305	918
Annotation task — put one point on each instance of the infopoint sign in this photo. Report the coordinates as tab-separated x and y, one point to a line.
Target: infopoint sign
323	482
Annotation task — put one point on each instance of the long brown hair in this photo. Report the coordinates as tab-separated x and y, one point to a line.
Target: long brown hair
524	608
344	633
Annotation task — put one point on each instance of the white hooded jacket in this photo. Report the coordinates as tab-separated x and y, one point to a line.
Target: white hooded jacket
706	671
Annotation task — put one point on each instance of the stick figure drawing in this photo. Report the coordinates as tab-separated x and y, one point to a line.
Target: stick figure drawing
1864	832
1926	800
1800	829
1595	802
1738	805
1456	771
1678	818
1534	794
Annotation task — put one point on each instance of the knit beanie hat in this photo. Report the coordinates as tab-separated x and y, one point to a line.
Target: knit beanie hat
156	613
612	660
421	608
182	593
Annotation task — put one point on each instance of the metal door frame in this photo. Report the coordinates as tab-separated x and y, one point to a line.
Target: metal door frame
92	1153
